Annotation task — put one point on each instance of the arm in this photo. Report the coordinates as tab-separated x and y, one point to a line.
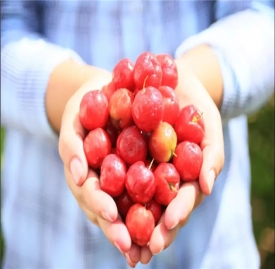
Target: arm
206	81
37	82
234	60
37	77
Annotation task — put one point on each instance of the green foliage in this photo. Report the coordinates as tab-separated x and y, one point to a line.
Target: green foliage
261	143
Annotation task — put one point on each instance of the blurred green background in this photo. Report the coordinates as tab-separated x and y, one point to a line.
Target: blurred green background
261	141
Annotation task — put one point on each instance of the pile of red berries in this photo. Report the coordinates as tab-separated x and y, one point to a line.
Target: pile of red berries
139	139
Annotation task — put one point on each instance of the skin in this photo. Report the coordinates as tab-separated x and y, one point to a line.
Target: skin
200	83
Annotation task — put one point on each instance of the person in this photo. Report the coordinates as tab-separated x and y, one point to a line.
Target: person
54	214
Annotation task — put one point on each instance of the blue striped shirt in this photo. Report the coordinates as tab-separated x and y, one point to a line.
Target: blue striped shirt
42	223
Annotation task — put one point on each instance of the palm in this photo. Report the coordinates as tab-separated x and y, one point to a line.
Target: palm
191	91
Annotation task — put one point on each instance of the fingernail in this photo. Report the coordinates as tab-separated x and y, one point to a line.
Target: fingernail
157	252
76	169
106	216
211	180
117	246
172	226
133	265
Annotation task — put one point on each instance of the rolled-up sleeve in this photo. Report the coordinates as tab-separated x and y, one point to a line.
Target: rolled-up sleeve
244	45
27	60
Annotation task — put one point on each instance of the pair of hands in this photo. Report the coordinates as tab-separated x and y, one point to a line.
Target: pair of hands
101	209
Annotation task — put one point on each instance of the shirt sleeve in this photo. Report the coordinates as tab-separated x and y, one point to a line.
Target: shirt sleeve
244	45
27	60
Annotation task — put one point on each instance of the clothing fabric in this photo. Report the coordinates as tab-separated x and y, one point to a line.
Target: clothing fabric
42	223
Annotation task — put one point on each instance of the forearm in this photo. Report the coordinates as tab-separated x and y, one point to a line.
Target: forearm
243	44
203	63
64	81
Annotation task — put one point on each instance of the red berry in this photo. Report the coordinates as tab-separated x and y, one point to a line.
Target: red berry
97	145
162	142
108	90
120	106
189	125
155	208
94	110
169	70
140	224
171	107
167	183
123	75
188	160
147	109
131	145
147	71
112	175
123	202
140	183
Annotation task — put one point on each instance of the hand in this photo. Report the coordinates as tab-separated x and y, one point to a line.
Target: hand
190	195
99	207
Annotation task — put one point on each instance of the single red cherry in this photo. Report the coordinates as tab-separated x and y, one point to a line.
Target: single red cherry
169	70
140	183
97	145
123	202
94	110
189	125
147	109
171	107
123	75
131	145
162	142
109	89
147	71
120	108
167	183
112	175
188	160
140	223
155	208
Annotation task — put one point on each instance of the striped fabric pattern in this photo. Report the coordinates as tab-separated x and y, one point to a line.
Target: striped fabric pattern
42	223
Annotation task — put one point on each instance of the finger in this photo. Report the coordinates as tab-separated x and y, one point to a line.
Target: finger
213	152
101	209
162	237
133	255
72	133
146	255
117	233
71	144
90	196
176	215
182	205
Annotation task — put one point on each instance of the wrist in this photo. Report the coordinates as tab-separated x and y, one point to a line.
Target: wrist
202	63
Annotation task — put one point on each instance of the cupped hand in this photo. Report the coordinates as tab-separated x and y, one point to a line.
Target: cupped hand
191	194
83	182
101	209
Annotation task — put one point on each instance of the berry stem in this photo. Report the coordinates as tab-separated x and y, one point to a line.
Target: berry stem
151	163
196	118
144	83
171	185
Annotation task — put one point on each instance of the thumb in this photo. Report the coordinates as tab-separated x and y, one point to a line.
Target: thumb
71	139
213	153
211	167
